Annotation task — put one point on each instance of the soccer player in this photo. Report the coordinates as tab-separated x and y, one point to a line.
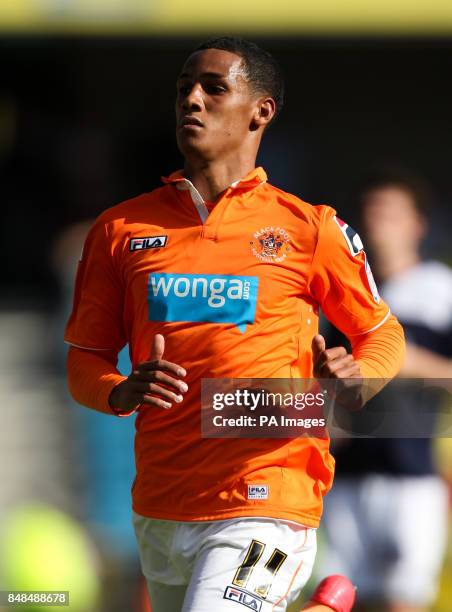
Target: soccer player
218	274
388	490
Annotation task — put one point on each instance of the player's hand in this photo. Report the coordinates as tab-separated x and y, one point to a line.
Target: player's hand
333	362
343	372
155	383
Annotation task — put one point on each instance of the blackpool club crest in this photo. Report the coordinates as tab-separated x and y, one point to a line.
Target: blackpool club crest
270	244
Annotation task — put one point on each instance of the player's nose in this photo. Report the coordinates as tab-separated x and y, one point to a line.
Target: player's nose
194	101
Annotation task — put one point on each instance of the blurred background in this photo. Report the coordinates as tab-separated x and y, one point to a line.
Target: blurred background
86	120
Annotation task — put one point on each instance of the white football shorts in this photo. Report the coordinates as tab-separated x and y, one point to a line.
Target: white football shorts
258	564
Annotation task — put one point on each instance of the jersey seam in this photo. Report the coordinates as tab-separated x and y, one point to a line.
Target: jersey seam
87	348
311	268
375	327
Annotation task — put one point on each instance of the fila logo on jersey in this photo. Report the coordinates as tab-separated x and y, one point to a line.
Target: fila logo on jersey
353	240
257	491
246	599
147	242
207	298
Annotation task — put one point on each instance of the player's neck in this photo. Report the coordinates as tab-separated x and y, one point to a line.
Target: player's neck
212	178
387	264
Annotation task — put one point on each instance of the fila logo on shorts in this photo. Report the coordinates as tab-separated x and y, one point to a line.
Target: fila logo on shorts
147	242
246	599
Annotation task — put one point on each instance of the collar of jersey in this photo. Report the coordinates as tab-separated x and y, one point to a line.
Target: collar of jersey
248	182
252	179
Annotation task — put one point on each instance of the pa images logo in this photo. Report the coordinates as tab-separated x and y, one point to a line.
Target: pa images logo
271	244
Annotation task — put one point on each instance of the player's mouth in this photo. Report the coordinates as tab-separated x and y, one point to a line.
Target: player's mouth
190	122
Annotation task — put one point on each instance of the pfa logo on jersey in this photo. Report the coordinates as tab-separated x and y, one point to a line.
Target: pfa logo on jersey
207	298
242	597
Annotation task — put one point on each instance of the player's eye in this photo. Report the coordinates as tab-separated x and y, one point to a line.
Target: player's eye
184	90
214	89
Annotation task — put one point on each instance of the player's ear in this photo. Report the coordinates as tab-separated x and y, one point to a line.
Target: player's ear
263	113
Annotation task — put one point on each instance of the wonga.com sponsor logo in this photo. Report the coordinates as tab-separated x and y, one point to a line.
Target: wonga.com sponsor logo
212	298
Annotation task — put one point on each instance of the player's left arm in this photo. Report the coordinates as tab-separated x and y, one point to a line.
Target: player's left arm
343	285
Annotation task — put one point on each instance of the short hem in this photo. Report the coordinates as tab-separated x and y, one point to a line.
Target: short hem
242	513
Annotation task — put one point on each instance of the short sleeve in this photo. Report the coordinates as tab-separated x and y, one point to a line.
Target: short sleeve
96	321
341	280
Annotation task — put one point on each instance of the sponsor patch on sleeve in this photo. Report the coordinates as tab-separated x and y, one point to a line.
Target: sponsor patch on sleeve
372	284
352	238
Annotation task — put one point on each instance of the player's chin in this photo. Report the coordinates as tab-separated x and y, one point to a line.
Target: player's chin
190	143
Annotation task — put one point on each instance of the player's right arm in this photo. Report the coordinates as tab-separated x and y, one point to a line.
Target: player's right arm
95	382
95	333
155	383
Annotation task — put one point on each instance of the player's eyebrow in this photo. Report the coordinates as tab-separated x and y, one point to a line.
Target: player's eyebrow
215	75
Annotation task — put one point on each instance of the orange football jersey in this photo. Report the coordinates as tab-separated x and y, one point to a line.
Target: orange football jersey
235	289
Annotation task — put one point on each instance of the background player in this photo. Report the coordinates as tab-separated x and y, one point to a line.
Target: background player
231	271
386	517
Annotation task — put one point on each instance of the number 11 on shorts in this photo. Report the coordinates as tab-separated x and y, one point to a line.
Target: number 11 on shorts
253	554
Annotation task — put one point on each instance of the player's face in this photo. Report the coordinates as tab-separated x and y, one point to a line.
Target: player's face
214	105
391	220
